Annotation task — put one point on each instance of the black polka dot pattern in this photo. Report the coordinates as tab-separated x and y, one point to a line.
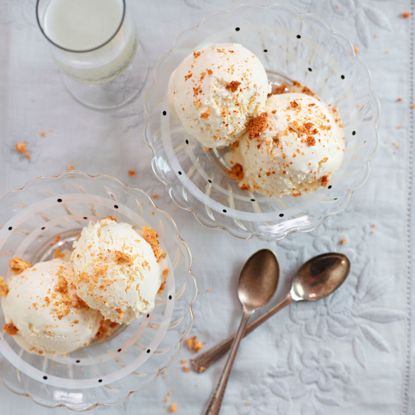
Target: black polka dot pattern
164	113
237	29
342	76
116	206
298	36
10	228
59	200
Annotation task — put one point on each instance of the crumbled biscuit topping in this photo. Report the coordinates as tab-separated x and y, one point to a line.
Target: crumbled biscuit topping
18	265
164	275
106	328
193	344
10	329
236	172
257	125
233	86
121	258
4	288
172	408
22	149
151	237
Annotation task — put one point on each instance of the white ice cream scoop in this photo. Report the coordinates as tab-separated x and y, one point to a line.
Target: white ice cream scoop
46	312
216	89
294	147
115	270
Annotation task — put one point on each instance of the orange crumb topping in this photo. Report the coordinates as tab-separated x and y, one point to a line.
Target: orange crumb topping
58	253
279	89
10	329
205	115
236	172
233	86
193	344
164	275
18	265
188	76
311	141
151	237
55	240
70	167
257	125
21	148
4	289
110	217
122	258
196	54
172	408
106	327
324	180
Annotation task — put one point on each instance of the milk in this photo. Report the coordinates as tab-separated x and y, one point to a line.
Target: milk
80	25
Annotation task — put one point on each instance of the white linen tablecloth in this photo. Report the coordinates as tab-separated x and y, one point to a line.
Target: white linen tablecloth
350	354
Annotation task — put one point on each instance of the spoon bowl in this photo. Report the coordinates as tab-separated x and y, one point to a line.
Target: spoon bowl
319	277
258	280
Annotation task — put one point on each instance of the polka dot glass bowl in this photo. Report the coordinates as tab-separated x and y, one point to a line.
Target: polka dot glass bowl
290	45
106	372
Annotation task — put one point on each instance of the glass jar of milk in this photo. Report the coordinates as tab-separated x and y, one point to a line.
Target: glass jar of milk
93	42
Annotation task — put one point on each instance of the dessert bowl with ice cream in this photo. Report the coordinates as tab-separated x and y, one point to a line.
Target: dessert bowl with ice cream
265	129
92	277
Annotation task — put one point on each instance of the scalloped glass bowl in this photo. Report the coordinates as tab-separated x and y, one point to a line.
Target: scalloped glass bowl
103	373
290	45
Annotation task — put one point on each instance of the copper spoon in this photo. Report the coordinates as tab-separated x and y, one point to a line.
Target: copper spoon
257	284
316	279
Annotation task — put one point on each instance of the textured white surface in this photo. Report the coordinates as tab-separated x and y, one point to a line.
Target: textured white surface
349	354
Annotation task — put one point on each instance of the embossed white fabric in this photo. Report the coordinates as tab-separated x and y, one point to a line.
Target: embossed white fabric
348	354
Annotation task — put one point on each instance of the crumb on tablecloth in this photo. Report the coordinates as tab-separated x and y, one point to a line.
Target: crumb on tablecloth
172	408
343	242
193	344
406	14
21	148
70	167
132	173
356	50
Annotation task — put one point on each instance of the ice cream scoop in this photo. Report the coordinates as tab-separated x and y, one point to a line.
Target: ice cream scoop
44	311
115	270
216	89
294	146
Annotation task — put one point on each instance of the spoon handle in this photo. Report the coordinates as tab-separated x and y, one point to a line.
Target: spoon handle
215	401
200	363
